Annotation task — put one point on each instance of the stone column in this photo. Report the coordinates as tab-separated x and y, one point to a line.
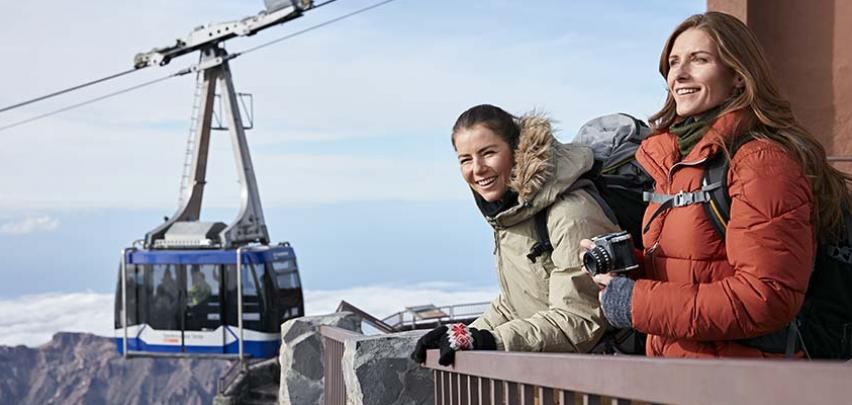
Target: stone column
377	371
301	356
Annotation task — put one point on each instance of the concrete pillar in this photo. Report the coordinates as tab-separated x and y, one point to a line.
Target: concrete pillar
809	44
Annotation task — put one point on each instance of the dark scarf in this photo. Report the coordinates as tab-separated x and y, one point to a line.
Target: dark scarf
492	209
690	130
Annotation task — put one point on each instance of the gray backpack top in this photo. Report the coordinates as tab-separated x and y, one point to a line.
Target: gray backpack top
618	178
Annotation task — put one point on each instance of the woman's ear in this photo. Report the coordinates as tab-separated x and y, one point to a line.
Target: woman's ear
739	83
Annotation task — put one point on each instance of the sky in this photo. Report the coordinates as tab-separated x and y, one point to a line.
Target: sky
350	141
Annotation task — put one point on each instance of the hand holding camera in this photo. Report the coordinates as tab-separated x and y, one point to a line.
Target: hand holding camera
605	258
608	255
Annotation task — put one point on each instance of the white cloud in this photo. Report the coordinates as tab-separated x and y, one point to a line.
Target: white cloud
32	320
30	224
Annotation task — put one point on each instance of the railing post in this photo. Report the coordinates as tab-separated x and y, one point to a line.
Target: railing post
240	300
334	340
124	299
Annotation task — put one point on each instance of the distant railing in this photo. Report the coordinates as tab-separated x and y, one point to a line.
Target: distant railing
497	378
365	317
840	158
227	380
333	341
411	319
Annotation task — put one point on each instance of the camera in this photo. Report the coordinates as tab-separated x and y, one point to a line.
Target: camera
613	252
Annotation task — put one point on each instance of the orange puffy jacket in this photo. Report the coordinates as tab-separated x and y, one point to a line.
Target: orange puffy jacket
701	293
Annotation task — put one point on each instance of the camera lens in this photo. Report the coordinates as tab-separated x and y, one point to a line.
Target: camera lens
597	261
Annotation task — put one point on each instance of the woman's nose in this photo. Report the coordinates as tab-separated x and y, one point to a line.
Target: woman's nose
478	165
680	72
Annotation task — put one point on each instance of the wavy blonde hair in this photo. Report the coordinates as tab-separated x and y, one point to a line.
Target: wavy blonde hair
767	114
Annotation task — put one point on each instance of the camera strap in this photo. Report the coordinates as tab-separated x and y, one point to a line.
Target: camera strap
681	199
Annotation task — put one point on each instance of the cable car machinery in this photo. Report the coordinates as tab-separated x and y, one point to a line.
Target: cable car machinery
183	241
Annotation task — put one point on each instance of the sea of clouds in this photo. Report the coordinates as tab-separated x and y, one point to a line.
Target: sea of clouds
32	320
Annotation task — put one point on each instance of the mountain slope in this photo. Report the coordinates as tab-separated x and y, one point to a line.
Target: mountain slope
76	368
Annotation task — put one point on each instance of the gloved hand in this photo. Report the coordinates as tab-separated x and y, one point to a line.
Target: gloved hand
450	339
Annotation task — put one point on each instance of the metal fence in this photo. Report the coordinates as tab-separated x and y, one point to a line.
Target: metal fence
333	342
377	323
409	319
496	378
229	382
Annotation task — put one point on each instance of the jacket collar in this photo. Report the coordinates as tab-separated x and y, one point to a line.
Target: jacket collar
659	153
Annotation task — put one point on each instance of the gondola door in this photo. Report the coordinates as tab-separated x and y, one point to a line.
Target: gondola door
159	305
202	316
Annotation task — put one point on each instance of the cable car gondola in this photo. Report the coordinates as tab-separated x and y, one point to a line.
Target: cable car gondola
186	302
193	288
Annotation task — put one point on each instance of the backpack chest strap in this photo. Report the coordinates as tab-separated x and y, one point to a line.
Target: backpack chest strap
681	199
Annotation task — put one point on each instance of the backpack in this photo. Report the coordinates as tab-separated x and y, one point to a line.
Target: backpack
616	175
824	322
616	182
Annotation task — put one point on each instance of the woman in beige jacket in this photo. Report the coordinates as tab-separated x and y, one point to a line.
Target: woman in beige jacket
516	168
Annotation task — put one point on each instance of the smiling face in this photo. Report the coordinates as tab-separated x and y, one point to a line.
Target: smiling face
697	78
485	161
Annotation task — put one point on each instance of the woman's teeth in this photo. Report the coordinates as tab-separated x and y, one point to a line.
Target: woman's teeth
486	182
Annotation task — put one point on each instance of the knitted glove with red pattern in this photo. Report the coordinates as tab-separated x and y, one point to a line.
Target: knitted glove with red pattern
450	339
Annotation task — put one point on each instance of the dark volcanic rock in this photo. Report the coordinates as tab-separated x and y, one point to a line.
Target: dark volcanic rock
77	368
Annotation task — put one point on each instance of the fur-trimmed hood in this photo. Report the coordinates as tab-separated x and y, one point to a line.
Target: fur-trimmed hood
543	169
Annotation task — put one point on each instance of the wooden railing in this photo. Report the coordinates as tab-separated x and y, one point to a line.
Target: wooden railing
333	343
496	378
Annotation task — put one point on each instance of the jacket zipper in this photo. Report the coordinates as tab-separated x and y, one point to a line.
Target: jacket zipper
651	250
500	275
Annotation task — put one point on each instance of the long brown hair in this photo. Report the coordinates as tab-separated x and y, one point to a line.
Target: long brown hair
768	114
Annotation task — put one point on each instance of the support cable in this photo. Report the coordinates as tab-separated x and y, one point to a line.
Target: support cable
179	73
90	101
68	90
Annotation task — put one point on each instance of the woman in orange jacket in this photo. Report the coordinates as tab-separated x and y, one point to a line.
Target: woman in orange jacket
702	296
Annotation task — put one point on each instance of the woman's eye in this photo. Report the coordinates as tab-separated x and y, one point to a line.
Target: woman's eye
672	63
464	161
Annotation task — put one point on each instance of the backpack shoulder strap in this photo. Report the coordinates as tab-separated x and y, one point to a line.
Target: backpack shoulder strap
542	244
718	208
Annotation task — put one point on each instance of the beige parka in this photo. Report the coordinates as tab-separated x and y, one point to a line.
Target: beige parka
550	305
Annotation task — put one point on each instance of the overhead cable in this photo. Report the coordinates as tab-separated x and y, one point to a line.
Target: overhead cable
322	4
313	27
68	90
90	101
